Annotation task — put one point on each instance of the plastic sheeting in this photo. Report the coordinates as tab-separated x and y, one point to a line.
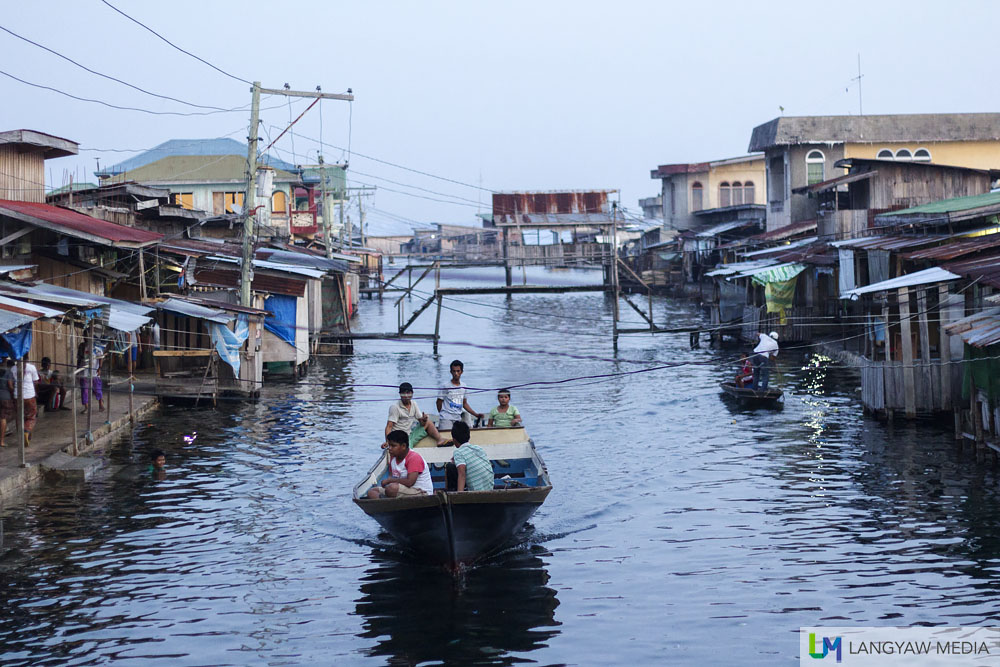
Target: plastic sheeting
282	322
17	343
228	343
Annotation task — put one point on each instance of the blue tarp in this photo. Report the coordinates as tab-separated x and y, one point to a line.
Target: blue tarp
17	343
228	343
282	322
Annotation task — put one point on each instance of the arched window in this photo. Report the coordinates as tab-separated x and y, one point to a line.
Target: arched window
903	154
748	193
725	194
884	154
279	202
697	202
815	163
737	193
921	155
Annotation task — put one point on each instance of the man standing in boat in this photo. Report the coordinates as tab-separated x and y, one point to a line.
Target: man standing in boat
763	359
451	401
409	474
406	416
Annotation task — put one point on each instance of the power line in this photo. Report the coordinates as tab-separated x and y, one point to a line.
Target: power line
108	76
143	25
116	106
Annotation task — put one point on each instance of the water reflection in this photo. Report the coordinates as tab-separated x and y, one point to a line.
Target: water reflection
488	615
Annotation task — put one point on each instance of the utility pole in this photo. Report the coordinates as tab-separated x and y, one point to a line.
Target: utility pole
249	208
326	207
343	230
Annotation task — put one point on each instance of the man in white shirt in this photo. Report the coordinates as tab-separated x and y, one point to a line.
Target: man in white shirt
451	399
406	416
28	397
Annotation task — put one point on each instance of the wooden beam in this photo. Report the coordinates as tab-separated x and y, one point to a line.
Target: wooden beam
416	314
523	289
909	389
637	308
182	353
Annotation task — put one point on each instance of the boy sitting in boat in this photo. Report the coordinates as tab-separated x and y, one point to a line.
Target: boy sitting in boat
470	466
406	416
409	474
504	415
745	374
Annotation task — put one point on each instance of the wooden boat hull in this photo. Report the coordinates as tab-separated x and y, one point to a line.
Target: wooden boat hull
453	528
751	395
456	528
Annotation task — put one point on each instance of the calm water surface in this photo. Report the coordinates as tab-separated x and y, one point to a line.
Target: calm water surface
682	529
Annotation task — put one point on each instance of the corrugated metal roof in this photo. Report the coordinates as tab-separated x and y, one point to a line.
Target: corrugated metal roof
984	270
945	206
891	242
781	248
18	290
10	320
979	329
275	266
35	310
302	259
788	268
737	267
925	277
835	182
726	227
953	250
4	270
195	310
77	225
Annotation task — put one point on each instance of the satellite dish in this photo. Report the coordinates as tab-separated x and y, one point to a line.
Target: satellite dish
237	209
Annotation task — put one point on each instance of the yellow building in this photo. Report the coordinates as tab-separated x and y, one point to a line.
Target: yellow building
802	150
690	189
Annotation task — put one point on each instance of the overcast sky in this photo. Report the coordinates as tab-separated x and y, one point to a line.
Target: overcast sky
486	95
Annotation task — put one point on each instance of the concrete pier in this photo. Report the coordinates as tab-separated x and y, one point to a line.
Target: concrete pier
50	454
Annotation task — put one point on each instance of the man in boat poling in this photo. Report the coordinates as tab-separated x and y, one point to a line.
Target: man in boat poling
763	359
405	415
409	474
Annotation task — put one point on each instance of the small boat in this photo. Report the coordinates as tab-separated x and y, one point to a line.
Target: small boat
451	528
751	395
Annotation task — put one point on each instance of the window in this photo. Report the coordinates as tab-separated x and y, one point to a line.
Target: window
922	155
183	199
737	193
884	154
724	194
903	154
697	203
279	202
748	194
222	202
815	163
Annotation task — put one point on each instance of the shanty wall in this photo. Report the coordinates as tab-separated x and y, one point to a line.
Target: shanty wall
22	175
906	185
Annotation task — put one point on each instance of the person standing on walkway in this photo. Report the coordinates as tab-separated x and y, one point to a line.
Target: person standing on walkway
82	359
28	397
7	406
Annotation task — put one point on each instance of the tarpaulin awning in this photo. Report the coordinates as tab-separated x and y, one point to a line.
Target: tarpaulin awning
228	343
123	316
925	277
777	274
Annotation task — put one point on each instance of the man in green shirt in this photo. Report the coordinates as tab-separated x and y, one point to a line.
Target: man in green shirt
471	469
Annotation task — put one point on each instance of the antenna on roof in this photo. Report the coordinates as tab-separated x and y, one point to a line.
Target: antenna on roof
861	111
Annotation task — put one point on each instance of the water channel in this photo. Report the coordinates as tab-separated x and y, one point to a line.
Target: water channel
682	529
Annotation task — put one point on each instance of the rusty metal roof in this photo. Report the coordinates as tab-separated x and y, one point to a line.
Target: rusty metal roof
78	225
890	241
816	254
534	209
958	249
834	182
984	270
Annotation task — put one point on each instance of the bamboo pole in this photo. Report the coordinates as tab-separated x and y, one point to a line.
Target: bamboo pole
74	382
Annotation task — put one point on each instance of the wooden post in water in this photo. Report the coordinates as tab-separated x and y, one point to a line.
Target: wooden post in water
131	382
614	273
90	382
909	390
